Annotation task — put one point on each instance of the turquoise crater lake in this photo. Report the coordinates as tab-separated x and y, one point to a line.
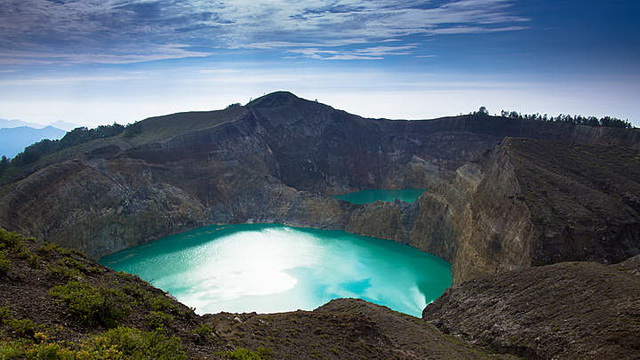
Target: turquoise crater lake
275	268
373	195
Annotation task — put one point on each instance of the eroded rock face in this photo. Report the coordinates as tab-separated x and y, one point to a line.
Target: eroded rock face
577	310
493	230
536	202
279	159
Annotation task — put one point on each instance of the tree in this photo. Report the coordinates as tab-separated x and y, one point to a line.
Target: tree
4	164
483	110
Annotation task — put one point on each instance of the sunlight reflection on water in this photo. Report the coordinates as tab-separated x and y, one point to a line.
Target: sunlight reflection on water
274	268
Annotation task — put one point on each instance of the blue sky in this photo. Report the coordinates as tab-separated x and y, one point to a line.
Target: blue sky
102	61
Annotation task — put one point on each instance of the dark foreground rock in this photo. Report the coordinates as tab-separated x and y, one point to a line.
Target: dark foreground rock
344	329
572	310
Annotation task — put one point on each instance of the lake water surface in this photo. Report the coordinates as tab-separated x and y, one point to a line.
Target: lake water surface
275	268
373	195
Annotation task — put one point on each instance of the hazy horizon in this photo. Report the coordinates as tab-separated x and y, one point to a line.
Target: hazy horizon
94	62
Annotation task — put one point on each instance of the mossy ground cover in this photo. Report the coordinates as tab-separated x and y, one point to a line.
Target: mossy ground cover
57	304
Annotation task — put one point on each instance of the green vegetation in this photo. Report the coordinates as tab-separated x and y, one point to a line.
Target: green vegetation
154	302
63	272
22	328
34	152
159	320
137	344
133	130
4	314
4	164
90	297
246	354
205	333
5	264
13	241
74	137
48	249
116	344
606	121
93	305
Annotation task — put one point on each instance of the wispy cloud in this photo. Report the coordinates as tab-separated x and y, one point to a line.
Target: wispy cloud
66	80
117	31
122	56
370	53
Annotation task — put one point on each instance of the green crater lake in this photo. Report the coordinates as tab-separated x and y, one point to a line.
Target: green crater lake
373	195
275	268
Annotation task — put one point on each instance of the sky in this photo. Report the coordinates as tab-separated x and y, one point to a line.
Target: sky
95	62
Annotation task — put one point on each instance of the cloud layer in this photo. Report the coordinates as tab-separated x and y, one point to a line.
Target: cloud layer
112	31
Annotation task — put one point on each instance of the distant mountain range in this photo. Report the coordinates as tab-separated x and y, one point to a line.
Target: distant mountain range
13	140
15	135
64	125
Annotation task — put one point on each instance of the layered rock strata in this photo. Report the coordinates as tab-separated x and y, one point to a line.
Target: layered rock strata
570	310
279	158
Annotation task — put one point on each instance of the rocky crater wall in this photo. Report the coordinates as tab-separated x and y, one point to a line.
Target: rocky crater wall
279	159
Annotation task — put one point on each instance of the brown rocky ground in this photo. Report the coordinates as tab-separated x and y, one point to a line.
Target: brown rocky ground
571	310
343	329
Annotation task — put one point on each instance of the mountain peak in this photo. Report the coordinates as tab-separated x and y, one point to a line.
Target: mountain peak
274	100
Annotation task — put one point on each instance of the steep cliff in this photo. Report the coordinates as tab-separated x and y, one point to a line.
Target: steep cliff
536	202
278	159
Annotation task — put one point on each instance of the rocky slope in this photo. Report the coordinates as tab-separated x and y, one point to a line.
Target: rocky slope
278	159
571	310
58	304
536	202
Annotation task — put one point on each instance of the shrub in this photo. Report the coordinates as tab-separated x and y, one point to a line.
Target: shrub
11	350
154	302
51	248
160	302
137	344
9	239
21	328
205	333
158	320
5	263
53	352
133	130
137	292
91	305
34	261
245	354
4	314
63	272
14	242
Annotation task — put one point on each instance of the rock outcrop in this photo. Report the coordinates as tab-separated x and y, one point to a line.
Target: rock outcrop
570	310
